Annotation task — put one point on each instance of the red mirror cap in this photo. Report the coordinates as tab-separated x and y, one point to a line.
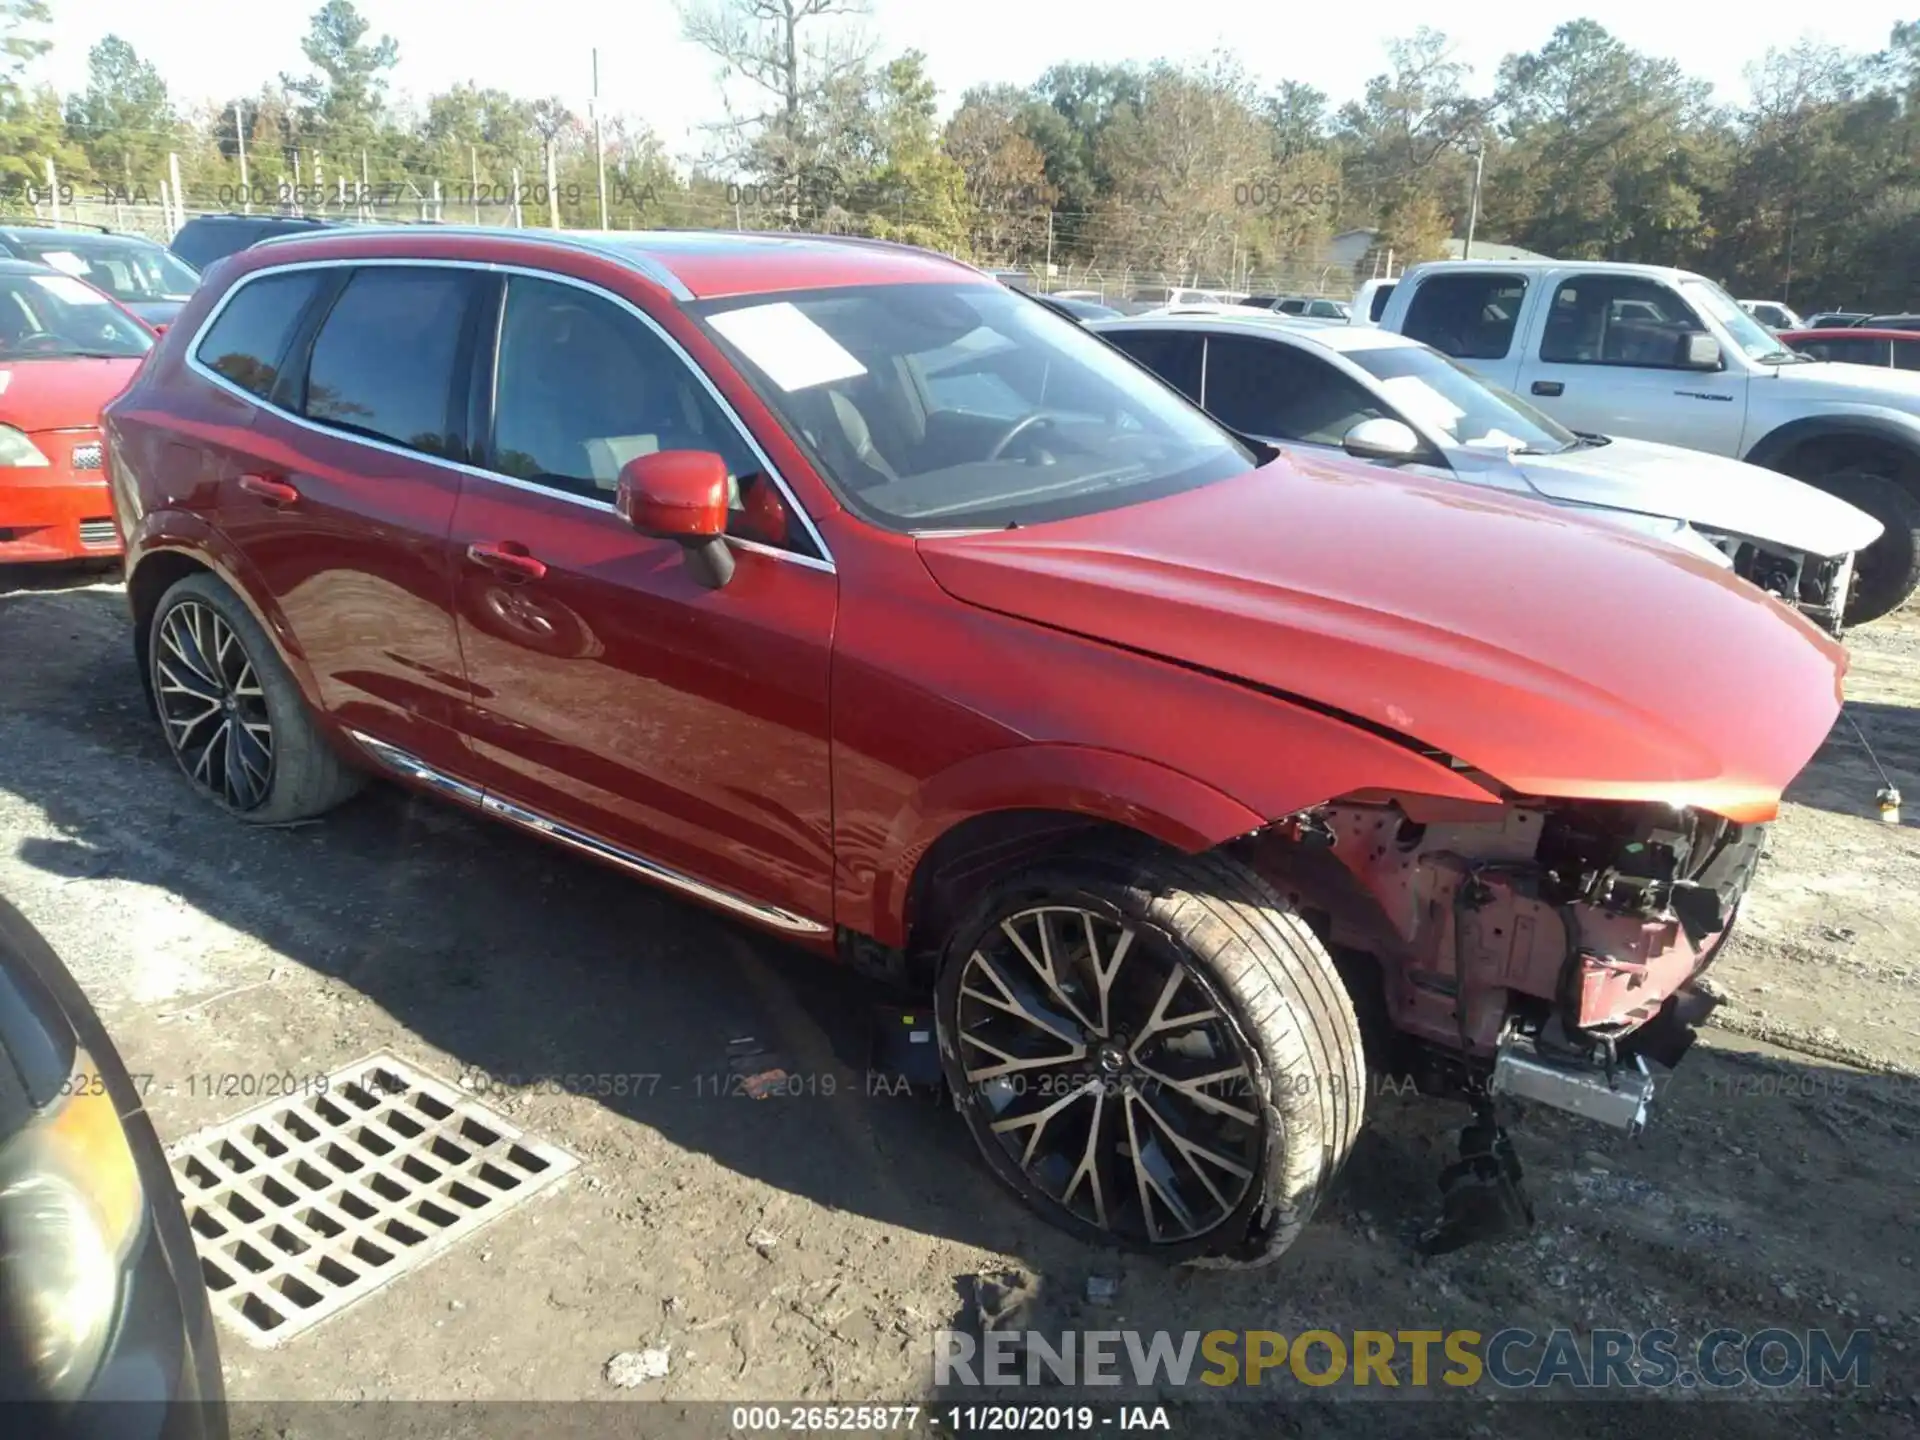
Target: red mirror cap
679	494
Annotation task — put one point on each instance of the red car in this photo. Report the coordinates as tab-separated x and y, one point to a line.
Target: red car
1859	346
843	589
65	350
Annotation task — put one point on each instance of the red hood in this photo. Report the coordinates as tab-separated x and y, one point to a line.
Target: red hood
57	394
1560	657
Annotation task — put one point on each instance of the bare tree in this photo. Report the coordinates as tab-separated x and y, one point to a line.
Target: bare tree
800	58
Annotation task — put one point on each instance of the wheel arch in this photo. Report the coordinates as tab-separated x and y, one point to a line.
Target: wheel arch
159	559
1788	446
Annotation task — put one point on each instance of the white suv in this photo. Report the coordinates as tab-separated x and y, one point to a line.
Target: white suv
1648	353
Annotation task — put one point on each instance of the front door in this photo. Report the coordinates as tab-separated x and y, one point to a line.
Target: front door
1609	364
681	728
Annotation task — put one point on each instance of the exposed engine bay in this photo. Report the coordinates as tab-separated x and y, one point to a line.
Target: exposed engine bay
1816	586
1573	923
1545	956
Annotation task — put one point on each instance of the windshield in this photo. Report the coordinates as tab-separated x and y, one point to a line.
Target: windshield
49	316
1430	388
128	270
1754	339
941	407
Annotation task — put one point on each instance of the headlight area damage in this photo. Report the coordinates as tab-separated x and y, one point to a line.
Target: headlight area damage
1545	955
1818	586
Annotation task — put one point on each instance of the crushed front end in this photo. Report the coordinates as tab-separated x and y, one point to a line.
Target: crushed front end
1818	586
1546	955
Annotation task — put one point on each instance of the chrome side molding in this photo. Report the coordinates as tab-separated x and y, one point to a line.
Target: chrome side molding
411	767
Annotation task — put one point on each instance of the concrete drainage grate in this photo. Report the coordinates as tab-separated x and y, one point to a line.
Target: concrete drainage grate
302	1206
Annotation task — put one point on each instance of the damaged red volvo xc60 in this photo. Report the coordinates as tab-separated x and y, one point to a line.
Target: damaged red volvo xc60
837	586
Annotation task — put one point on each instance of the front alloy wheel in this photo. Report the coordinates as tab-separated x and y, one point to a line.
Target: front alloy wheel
1153	1051
1114	1080
213	706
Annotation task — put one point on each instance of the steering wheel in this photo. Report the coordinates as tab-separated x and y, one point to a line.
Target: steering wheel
45	340
1016	430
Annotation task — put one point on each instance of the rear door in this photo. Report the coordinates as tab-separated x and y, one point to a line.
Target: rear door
1173	355
1474	316
341	492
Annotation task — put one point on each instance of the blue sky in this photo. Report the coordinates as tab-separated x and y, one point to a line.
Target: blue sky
209	49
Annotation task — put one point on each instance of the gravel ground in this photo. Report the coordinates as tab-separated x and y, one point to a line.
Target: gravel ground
806	1246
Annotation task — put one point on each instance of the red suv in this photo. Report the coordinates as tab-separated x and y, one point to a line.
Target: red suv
835	585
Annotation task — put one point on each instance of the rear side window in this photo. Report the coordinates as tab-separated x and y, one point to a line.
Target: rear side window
385	358
1171	354
1906	354
1378	306
248	342
1471	317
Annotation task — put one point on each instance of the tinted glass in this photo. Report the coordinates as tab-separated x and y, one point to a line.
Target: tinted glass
583	387
1847	352
248	343
1471	316
1173	355
1378	306
851	373
49	316
1906	354
1619	320
1274	390
383	362
1894	322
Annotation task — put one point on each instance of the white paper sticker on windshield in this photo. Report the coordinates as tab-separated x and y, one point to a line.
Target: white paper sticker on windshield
63	287
792	349
6	379
65	260
1414	395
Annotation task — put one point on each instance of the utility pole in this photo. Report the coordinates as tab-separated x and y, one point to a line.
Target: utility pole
516	197
599	149
473	167
1473	206
366	189
296	183
179	195
53	190
553	192
1049	242
240	137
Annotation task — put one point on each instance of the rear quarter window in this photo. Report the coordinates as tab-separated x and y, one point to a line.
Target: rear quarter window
247	342
384	360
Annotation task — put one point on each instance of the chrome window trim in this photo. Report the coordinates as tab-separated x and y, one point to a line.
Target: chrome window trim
417	770
823	561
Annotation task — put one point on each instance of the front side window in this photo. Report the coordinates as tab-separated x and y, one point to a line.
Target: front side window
1622	320
384	362
249	340
863	377
582	388
1452	400
1471	316
56	316
1275	390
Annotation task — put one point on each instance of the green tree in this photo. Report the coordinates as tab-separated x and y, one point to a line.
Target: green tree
124	120
342	106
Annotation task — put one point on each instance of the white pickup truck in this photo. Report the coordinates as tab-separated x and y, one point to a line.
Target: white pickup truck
1648	353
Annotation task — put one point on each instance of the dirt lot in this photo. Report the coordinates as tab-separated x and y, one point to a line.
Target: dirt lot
1776	1186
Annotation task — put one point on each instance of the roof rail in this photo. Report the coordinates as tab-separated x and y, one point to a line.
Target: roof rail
591	241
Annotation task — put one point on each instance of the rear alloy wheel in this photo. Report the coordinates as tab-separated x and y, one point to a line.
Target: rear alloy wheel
232	714
1157	1056
213	706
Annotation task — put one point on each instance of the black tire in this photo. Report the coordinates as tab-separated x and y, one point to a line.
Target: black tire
1278	1004
1887	571
302	776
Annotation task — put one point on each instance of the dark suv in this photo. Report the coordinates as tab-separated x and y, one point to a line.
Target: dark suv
207	238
